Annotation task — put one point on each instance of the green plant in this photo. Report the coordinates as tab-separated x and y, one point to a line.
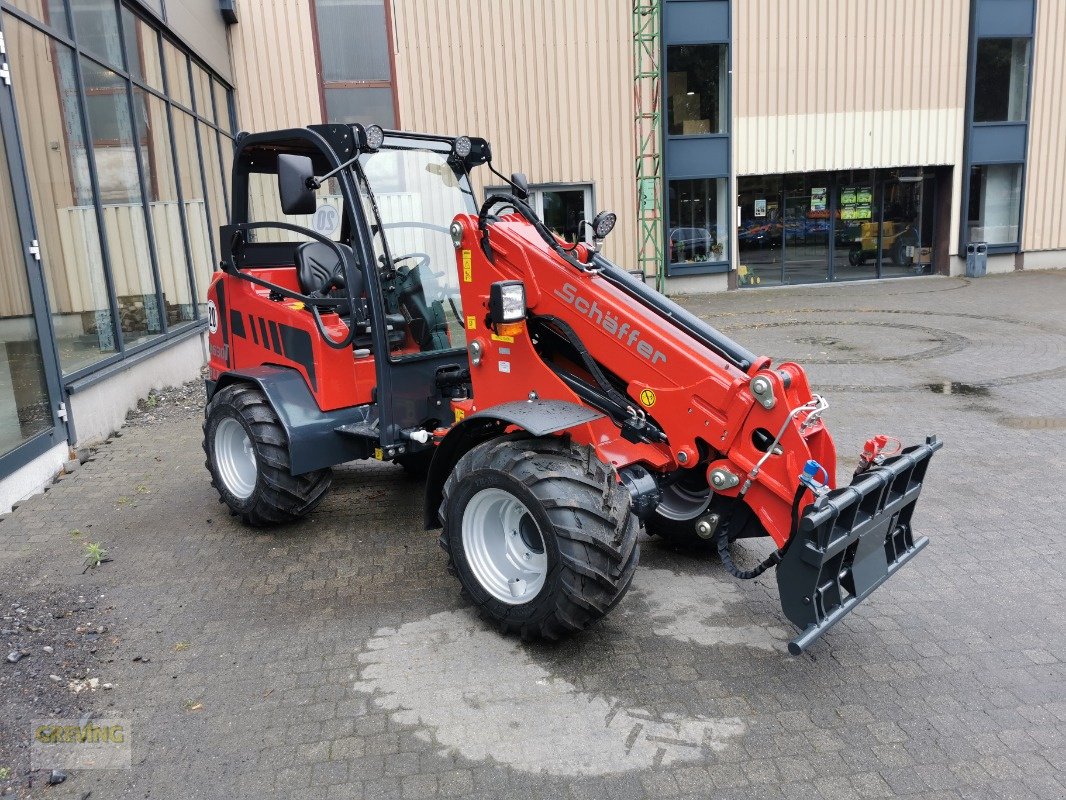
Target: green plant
75	532
5	773
95	555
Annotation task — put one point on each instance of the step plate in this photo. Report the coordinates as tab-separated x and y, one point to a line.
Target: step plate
850	541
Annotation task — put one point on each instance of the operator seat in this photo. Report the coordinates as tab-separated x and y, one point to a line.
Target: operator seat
319	271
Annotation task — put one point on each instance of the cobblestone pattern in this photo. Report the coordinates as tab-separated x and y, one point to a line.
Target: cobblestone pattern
336	659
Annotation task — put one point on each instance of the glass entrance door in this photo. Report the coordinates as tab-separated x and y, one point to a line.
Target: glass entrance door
29	385
806	233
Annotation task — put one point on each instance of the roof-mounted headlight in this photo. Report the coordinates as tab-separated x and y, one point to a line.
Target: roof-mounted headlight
373	137
461	147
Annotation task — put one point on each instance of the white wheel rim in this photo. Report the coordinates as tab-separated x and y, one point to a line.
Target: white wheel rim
681	504
504	546
235	458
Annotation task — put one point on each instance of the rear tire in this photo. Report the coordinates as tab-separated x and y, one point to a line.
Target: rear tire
540	534
248	458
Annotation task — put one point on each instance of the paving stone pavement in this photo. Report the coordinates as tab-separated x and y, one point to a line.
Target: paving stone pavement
336	659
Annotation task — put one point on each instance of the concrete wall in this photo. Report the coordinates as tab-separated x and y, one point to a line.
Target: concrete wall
100	409
1045	200
33	477
842	84
200	24
548	83
274	69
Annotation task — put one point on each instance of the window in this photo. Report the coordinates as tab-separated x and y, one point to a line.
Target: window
696	81
563	209
995	203
1001	85
355	61
698	221
117	175
264	205
366	106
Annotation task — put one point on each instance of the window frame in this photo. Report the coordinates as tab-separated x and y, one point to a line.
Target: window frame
725	106
323	84
108	363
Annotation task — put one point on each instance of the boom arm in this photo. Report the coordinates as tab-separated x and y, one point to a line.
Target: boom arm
747	426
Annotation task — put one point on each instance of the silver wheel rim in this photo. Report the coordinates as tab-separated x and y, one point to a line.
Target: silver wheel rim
235	458
681	504
504	546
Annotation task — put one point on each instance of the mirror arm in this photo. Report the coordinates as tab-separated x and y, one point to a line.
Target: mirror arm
315	182
519	192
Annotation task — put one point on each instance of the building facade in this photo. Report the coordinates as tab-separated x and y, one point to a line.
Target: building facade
744	143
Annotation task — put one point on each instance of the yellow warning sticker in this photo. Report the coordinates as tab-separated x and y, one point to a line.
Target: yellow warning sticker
378	454
471	322
506	339
647	398
468	270
459	415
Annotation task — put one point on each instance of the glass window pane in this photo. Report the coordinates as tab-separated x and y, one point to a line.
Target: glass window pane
352	40
24	408
213	170
264	205
696	82
1002	80
222	106
142	50
52	12
57	163
153	138
205	104
760	233
368	106
995	203
699	220
177	74
96	24
564	212
201	242
120	197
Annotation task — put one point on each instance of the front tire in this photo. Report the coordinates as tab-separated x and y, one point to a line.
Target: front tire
540	534
248	458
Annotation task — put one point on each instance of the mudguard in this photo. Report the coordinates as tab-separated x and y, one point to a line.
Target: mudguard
536	417
314	442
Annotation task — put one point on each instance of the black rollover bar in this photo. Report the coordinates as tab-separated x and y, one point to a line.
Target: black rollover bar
688	322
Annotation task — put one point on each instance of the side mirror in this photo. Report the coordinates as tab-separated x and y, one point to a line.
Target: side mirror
520	184
295	178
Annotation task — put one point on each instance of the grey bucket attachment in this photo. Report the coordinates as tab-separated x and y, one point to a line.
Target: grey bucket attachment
850	541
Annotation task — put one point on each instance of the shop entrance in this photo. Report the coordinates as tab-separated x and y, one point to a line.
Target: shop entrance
815	227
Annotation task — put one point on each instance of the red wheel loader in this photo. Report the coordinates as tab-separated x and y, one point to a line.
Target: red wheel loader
368	306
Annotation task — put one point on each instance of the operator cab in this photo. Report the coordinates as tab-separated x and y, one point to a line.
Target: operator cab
352	224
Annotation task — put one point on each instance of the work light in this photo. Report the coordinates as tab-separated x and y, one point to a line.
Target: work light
375	137
461	146
507	302
603	224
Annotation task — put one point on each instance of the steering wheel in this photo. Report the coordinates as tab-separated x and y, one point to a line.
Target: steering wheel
423	260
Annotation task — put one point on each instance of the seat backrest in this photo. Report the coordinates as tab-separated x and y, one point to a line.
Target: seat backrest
317	262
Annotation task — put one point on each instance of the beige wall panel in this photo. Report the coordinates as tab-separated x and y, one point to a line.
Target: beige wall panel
274	68
479	67
1045	208
836	84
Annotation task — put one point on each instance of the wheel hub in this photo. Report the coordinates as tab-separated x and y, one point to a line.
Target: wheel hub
235	458
504	546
